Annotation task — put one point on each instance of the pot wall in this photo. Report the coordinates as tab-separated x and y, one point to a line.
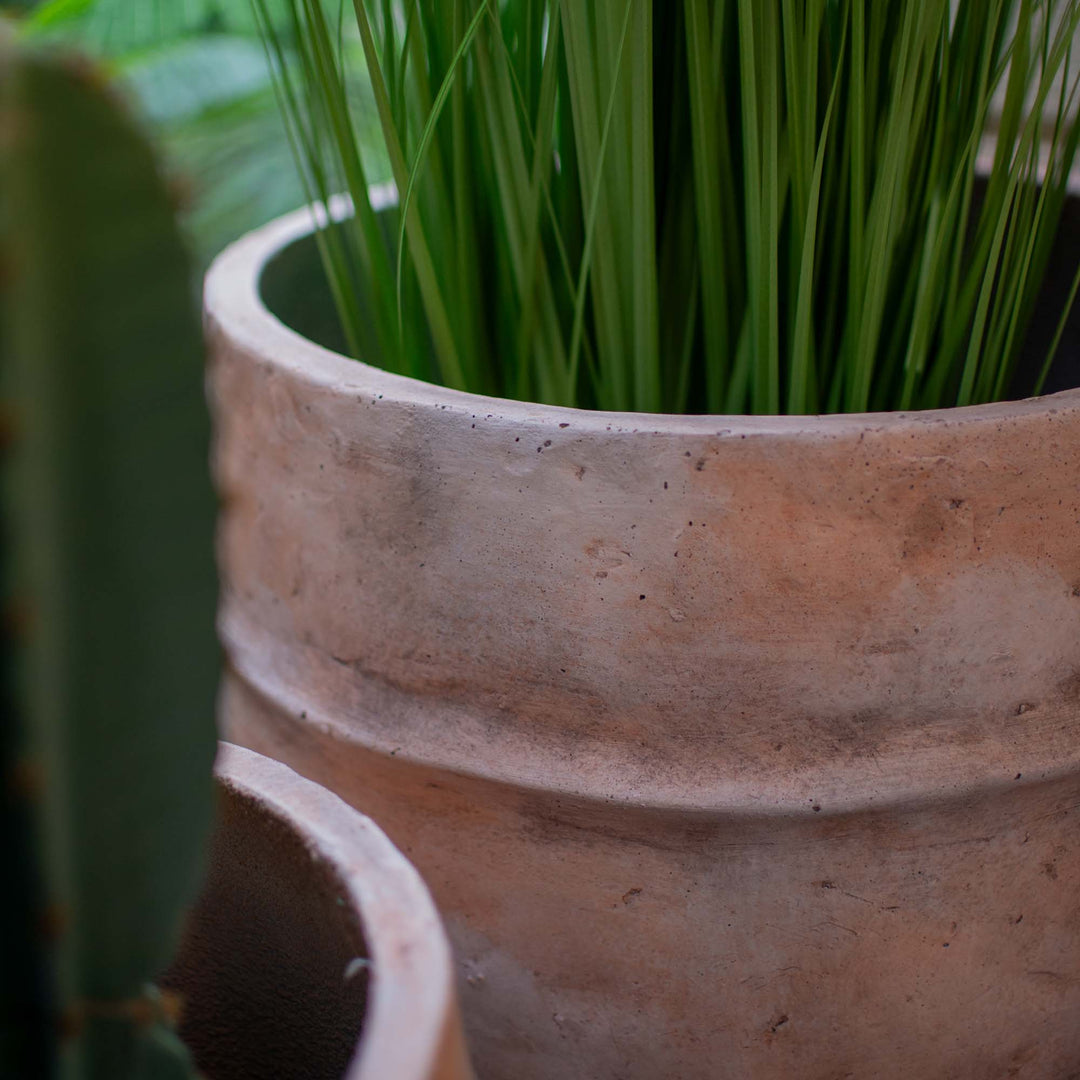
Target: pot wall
740	747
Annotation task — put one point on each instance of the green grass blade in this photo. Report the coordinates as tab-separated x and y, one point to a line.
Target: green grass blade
425	139
434	301
594	206
802	359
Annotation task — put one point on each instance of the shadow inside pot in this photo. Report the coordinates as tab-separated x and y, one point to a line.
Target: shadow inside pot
270	966
1060	271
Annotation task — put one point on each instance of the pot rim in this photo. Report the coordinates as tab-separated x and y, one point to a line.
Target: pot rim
410	1025
233	303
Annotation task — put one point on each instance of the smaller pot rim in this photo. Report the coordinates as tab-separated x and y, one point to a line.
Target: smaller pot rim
411	1027
233	305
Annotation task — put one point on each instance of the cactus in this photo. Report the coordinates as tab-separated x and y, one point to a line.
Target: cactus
109	657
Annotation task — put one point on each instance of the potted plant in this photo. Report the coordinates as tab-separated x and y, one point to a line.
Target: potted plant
110	676
729	744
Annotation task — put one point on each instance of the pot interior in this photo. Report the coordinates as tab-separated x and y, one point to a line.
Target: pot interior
268	965
294	289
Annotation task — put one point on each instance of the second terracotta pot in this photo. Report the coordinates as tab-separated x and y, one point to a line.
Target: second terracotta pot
314	951
730	747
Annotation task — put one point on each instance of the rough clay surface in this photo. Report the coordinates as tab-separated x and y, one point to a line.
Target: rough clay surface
729	747
277	978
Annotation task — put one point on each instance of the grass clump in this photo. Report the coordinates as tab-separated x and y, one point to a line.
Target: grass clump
696	205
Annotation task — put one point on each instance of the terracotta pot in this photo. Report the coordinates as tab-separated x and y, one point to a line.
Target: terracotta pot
729	746
314	951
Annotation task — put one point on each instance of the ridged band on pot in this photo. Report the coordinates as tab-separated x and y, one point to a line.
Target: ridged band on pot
315	950
729	746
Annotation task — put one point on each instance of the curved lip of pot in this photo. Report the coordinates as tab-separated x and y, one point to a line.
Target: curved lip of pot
232	301
411	992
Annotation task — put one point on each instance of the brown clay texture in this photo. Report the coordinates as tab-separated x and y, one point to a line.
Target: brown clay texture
729	747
